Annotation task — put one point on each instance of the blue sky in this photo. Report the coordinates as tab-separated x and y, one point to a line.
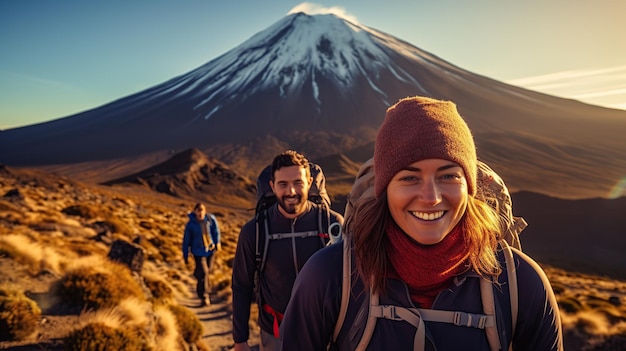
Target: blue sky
58	58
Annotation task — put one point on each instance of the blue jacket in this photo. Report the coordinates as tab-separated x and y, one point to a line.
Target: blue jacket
315	302
192	239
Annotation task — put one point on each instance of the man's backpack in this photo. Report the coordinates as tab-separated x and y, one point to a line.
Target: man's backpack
492	190
266	198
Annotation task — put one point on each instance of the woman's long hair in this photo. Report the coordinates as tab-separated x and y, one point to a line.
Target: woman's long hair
480	229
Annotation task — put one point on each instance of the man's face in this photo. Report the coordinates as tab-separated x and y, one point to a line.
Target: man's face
200	212
291	186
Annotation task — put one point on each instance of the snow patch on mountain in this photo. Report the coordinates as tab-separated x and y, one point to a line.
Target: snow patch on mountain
298	50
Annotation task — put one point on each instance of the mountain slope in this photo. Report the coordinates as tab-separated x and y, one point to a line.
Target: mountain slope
321	85
584	235
191	174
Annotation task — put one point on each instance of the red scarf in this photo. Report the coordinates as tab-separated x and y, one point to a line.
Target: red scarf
426	269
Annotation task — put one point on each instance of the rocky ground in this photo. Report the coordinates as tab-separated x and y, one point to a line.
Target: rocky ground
59	221
215	318
217	322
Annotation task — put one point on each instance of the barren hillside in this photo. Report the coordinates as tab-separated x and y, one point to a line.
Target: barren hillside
48	223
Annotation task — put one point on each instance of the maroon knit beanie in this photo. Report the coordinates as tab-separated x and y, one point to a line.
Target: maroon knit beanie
418	128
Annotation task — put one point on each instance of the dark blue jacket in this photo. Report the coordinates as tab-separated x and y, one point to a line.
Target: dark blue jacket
192	239
316	298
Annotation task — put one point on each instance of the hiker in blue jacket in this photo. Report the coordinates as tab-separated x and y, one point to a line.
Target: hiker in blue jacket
422	249
298	227
202	239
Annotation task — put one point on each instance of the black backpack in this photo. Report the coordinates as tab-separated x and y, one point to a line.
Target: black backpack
266	198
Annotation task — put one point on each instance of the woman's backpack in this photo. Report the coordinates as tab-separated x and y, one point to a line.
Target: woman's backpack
492	190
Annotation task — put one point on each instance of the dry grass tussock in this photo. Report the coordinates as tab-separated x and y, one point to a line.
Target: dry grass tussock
19	315
55	235
138	319
593	310
37	256
167	336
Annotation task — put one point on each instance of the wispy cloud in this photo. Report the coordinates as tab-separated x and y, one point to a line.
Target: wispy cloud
28	98
316	9
30	79
604	87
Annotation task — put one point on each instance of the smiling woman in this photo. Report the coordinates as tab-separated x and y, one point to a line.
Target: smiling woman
423	246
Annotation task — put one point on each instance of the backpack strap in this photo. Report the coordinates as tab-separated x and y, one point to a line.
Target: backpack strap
345	288
396	313
513	292
417	316
261	234
488	299
258	247
323	222
293	237
489	308
277	236
462	319
370	324
266	240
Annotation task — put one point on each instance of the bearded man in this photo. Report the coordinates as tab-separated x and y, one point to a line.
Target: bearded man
290	221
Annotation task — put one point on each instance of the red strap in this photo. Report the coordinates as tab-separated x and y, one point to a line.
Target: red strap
323	235
278	317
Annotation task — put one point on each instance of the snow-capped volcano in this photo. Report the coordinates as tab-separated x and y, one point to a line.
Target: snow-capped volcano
321	85
297	51
302	74
311	59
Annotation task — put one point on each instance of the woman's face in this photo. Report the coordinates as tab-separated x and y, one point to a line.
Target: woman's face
428	198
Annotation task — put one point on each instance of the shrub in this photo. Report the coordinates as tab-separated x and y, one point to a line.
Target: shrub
80	211
20	248
37	256
611	342
131	315
6	206
99	337
160	289
223	283
114	225
570	304
168	250
189	325
119	226
97	287
167	335
19	315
